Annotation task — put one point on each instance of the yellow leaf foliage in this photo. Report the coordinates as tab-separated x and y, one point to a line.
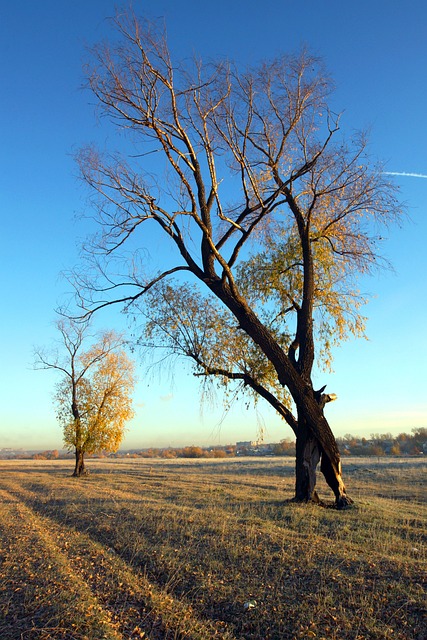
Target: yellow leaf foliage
103	399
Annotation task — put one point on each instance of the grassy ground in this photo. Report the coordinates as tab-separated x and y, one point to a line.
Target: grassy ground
177	549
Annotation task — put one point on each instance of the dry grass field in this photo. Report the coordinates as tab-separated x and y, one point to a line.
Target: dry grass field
177	549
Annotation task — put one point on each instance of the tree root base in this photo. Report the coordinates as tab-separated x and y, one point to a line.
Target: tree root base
313	500
344	502
81	474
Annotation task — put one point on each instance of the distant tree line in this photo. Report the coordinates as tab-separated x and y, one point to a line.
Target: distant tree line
52	454
183	452
378	444
385	444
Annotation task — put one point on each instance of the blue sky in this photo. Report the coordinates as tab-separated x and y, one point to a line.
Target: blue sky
376	52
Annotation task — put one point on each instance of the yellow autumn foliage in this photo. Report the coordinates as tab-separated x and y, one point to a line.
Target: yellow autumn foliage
103	398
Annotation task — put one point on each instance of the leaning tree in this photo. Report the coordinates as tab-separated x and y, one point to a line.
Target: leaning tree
258	199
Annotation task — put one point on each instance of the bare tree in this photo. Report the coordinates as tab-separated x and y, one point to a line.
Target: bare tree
258	197
93	398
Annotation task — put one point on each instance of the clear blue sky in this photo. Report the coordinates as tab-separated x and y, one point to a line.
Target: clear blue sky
376	52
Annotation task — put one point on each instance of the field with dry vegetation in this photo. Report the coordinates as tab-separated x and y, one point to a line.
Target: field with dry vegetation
210	549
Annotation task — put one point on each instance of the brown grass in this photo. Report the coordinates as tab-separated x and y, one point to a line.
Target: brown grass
174	549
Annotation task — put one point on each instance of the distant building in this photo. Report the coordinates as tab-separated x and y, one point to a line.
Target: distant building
253	448
246	444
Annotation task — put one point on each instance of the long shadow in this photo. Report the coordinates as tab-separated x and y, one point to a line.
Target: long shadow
187	583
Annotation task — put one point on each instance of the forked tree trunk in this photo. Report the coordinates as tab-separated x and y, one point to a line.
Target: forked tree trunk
309	452
79	469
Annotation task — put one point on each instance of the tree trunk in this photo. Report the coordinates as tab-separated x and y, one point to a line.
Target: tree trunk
309	451
312	424
307	458
334	479
79	469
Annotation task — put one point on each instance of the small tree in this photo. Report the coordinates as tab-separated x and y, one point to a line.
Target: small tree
93	398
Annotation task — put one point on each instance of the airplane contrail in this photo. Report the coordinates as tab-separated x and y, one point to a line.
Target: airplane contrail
404	173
